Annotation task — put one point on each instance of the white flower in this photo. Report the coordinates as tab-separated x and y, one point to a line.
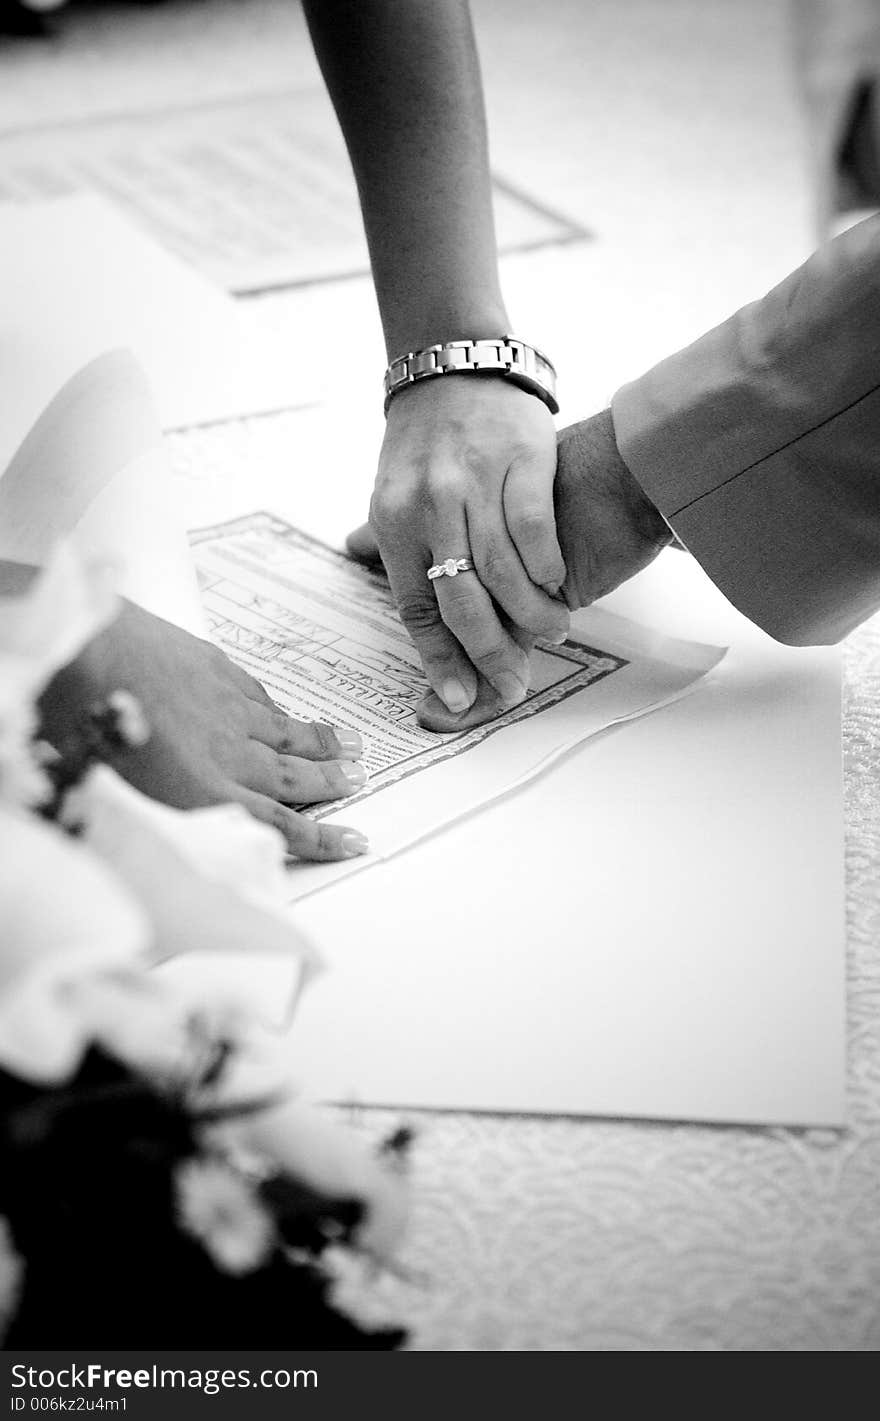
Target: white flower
23	781
134	1016
132	722
41	631
64	917
82	919
210	879
300	1141
221	1210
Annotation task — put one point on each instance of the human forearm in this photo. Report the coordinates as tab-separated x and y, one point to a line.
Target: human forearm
467	463
404	79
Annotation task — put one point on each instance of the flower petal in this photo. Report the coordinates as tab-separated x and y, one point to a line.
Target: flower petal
309	1146
65	607
190	909
63	915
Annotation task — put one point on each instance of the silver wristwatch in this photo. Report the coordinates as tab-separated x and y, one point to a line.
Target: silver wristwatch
507	356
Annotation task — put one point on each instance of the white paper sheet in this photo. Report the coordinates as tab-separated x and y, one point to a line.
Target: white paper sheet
322	635
80	279
654	927
255	192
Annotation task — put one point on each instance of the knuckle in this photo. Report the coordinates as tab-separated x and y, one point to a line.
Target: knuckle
389	507
495	570
326	738
284	745
492	657
528	524
279	819
331	776
289	783
446	487
419	612
466	619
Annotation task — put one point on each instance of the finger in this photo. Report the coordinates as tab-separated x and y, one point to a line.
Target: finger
363	545
469	613
530	518
318	843
310	740
446	665
504	577
229	670
432	714
293	780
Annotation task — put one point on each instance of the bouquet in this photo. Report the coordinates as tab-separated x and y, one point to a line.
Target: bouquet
162	1183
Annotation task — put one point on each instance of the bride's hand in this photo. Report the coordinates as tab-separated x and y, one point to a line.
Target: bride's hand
215	735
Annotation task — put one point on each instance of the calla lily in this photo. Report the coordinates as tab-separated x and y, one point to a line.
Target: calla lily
135	1017
206	877
46	627
63	916
223	843
41	631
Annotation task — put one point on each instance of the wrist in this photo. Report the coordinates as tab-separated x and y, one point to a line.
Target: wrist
454	320
507	358
588	455
645	514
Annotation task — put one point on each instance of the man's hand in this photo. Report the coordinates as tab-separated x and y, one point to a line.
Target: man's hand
608	530
215	735
466	470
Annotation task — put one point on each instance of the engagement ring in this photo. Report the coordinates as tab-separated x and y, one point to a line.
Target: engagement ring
450	568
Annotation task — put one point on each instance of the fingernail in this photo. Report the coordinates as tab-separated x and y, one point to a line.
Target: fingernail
509	687
455	697
354	844
350	742
551	588
558	638
355	774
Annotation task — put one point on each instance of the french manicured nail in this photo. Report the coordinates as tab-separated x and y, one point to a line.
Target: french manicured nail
455	697
510	688
354	844
350	743
354	773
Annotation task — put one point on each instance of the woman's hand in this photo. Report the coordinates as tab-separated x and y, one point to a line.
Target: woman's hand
215	735
466	470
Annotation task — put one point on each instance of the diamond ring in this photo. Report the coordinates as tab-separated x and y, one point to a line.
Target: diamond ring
450	568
